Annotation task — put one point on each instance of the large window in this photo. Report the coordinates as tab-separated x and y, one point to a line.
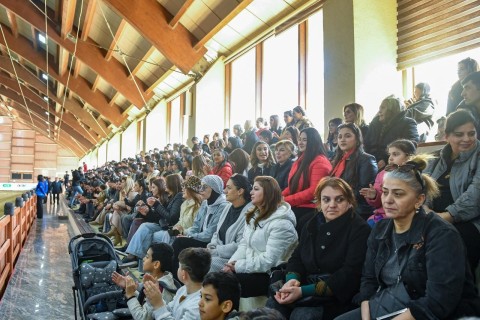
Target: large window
102	155
113	149
280	73
210	101
315	79
175	118
156	122
129	141
440	74
242	103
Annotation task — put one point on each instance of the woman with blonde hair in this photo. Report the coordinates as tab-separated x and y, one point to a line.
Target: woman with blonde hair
353	113
284	154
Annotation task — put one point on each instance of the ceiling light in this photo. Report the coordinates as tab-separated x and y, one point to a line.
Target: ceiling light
44	76
42	38
45	98
46	112
46	122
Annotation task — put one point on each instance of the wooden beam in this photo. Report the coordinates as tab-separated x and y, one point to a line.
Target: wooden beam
12	19
38	114
242	5
62	61
113	44
78	85
187	4
87	52
142	62
68	14
76	68
151	20
95	83
115	96
87	22
34	38
38	106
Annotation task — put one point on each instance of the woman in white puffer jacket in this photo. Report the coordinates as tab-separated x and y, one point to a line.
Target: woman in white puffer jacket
268	240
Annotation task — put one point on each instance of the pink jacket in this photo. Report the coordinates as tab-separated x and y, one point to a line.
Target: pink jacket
319	168
377	202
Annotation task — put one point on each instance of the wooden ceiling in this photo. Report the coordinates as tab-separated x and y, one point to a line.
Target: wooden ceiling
105	62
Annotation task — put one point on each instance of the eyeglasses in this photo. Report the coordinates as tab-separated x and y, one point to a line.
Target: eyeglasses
407	167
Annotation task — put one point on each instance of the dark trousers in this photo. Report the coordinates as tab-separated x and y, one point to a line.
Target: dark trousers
302	215
181	243
253	284
40	207
299	313
55	197
471	239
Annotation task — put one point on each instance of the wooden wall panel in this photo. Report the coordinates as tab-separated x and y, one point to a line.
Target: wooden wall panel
5	128
45	164
5	154
45	156
6	136
22	150
45	148
4	171
22	159
23	142
25	134
43	139
19	167
6	145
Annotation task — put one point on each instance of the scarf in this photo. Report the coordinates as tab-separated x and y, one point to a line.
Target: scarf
340	166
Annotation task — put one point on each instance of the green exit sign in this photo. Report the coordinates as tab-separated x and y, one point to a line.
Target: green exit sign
6	185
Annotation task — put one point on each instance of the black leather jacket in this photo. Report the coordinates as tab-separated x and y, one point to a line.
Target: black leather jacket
436	274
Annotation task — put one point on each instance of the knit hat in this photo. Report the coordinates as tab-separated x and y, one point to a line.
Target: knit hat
214	182
193	183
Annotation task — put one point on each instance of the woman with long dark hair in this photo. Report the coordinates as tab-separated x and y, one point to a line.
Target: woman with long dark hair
353	165
268	240
311	166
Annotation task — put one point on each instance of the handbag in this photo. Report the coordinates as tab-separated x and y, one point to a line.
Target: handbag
389	302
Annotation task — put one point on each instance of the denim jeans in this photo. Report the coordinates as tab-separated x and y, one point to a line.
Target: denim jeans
126	223
299	313
76	190
142	239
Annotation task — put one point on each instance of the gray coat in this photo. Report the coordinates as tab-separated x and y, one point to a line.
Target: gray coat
233	235
464	183
206	221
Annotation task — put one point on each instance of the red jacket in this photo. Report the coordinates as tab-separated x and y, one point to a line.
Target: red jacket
224	172
319	168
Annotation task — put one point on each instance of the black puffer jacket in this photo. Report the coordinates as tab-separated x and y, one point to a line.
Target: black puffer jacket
380	135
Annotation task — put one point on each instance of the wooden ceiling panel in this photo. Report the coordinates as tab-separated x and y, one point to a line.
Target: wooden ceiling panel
203	16
99	31
268	10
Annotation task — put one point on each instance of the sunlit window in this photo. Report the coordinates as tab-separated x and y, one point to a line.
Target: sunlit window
441	74
242	105
129	141
156	123
210	101
102	155
175	134
280	73
113	149
315	63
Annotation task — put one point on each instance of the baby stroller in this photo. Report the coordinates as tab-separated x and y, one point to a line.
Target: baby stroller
93	262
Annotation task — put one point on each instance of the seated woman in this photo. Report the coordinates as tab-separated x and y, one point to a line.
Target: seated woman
353	113
205	223
240	161
268	240
415	266
132	221
290	133
162	216
457	171
327	263
310	167
284	154
231	222
421	109
399	152
222	167
301	120
353	165
261	160
391	123
332	140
